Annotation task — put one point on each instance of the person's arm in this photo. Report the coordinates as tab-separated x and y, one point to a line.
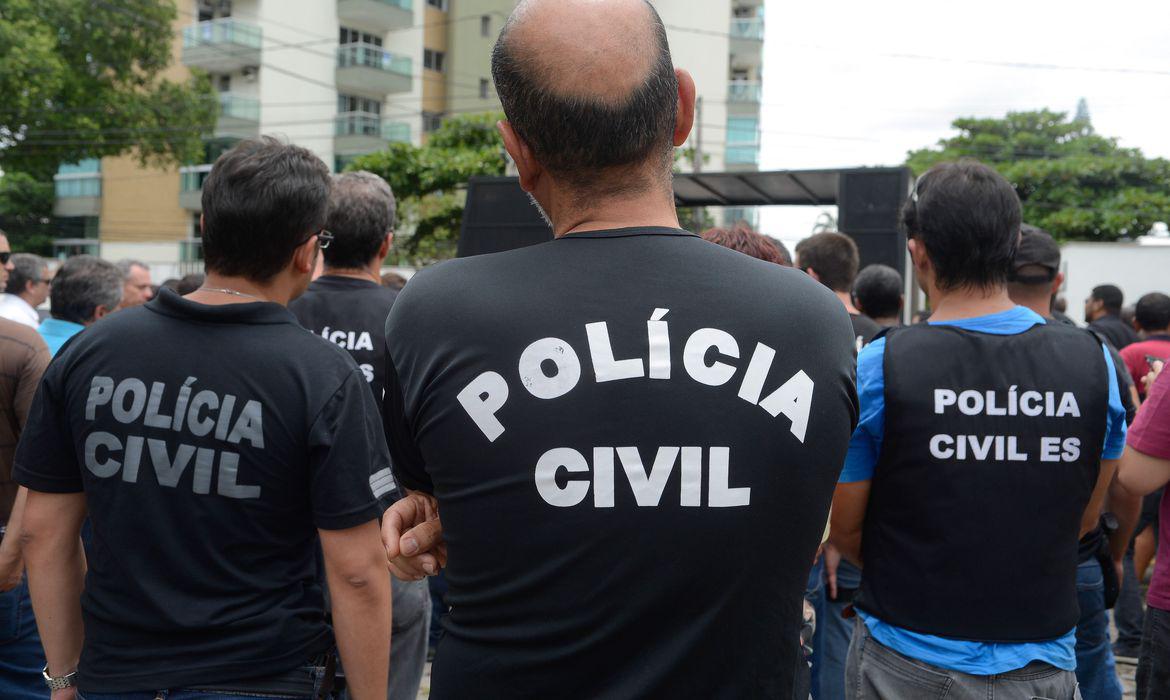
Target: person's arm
1127	508
360	592
1092	515
1142	474
11	558
51	543
847	519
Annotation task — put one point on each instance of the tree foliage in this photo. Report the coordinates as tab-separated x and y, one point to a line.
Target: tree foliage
1073	182
83	79
26	205
428	183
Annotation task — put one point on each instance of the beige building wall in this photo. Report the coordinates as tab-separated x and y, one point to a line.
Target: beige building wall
434	88
142	203
472	31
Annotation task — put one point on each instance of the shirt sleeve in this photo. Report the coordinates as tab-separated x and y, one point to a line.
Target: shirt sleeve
865	446
46	459
1115	427
349	467
409	467
1151	430
31	371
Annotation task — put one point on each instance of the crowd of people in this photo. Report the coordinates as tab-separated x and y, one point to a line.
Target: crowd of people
647	463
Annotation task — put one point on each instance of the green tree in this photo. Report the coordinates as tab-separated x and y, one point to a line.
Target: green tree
83	79
1073	182
429	181
26	205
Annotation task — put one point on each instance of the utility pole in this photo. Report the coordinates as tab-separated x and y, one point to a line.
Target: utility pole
697	158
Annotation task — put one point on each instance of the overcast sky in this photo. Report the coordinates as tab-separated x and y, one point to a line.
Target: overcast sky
852	83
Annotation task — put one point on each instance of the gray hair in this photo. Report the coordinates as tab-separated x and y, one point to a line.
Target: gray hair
84	283
361	213
26	268
126	264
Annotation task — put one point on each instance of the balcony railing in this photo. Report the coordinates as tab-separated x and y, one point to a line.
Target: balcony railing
371	56
742	155
226	30
750	29
370	124
237	107
744	92
402	4
191	179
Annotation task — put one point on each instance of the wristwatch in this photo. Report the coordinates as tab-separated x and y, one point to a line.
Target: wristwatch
60	682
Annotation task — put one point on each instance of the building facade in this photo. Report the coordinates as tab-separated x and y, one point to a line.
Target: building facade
349	77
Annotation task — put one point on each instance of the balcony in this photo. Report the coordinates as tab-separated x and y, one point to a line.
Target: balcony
78	189
747	41
191	179
378	16
744	97
741	158
221	45
370	70
239	117
358	133
747	29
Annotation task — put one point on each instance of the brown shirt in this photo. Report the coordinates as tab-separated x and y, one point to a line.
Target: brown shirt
23	359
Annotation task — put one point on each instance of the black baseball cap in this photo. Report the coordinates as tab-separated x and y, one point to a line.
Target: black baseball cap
1037	247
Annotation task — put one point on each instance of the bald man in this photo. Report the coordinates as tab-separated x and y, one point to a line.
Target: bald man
633	465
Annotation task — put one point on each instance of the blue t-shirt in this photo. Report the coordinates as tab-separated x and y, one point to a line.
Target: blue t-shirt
56	332
978	658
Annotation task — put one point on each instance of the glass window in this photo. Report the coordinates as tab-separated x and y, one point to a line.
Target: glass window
484	88
743	130
438	4
485	25
434	60
431	121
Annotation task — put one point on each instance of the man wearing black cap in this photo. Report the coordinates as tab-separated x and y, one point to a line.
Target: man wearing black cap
1033	283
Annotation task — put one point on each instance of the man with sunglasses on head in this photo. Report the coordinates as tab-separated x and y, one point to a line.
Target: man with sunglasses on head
216	448
348	306
986	443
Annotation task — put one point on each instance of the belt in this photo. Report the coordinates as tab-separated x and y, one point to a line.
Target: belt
301	681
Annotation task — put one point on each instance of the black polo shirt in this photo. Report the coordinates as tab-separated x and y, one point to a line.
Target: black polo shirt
633	436
211	443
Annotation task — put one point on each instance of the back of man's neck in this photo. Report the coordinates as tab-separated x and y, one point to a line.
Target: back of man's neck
650	210
356	273
847	300
961	304
220	290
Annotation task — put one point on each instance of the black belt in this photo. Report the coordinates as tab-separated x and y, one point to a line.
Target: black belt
297	682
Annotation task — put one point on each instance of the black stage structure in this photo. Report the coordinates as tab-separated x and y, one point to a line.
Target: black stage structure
499	215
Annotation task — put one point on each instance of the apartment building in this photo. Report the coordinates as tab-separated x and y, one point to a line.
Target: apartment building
348	77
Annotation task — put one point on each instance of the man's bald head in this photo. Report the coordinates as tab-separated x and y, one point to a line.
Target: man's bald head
590	87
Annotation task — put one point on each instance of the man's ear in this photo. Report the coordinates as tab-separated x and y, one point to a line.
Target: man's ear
1057	282
384	249
526	165
305	257
685	121
813	273
100	311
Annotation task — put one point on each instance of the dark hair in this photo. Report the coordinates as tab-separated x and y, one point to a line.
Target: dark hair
579	137
361	213
1110	297
833	256
393	280
742	238
878	291
26	268
968	218
261	200
189	283
1153	312
82	284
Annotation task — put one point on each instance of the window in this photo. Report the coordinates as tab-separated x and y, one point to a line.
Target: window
431	121
351	103
440	5
743	130
224	83
484	87
485	25
353	36
434	60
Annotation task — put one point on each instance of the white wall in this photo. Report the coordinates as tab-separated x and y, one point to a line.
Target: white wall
707	57
1136	269
300	100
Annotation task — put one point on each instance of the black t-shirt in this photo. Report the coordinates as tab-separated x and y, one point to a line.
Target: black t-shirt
352	313
1117	332
211	443
615	426
864	329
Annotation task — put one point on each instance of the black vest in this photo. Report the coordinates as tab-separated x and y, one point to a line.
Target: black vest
985	471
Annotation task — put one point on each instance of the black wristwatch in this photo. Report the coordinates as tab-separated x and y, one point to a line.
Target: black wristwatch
59	682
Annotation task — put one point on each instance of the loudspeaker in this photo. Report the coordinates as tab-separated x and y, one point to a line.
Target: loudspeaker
499	216
868	204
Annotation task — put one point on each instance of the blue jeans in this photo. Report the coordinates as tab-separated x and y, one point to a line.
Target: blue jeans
833	633
1096	667
21	657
